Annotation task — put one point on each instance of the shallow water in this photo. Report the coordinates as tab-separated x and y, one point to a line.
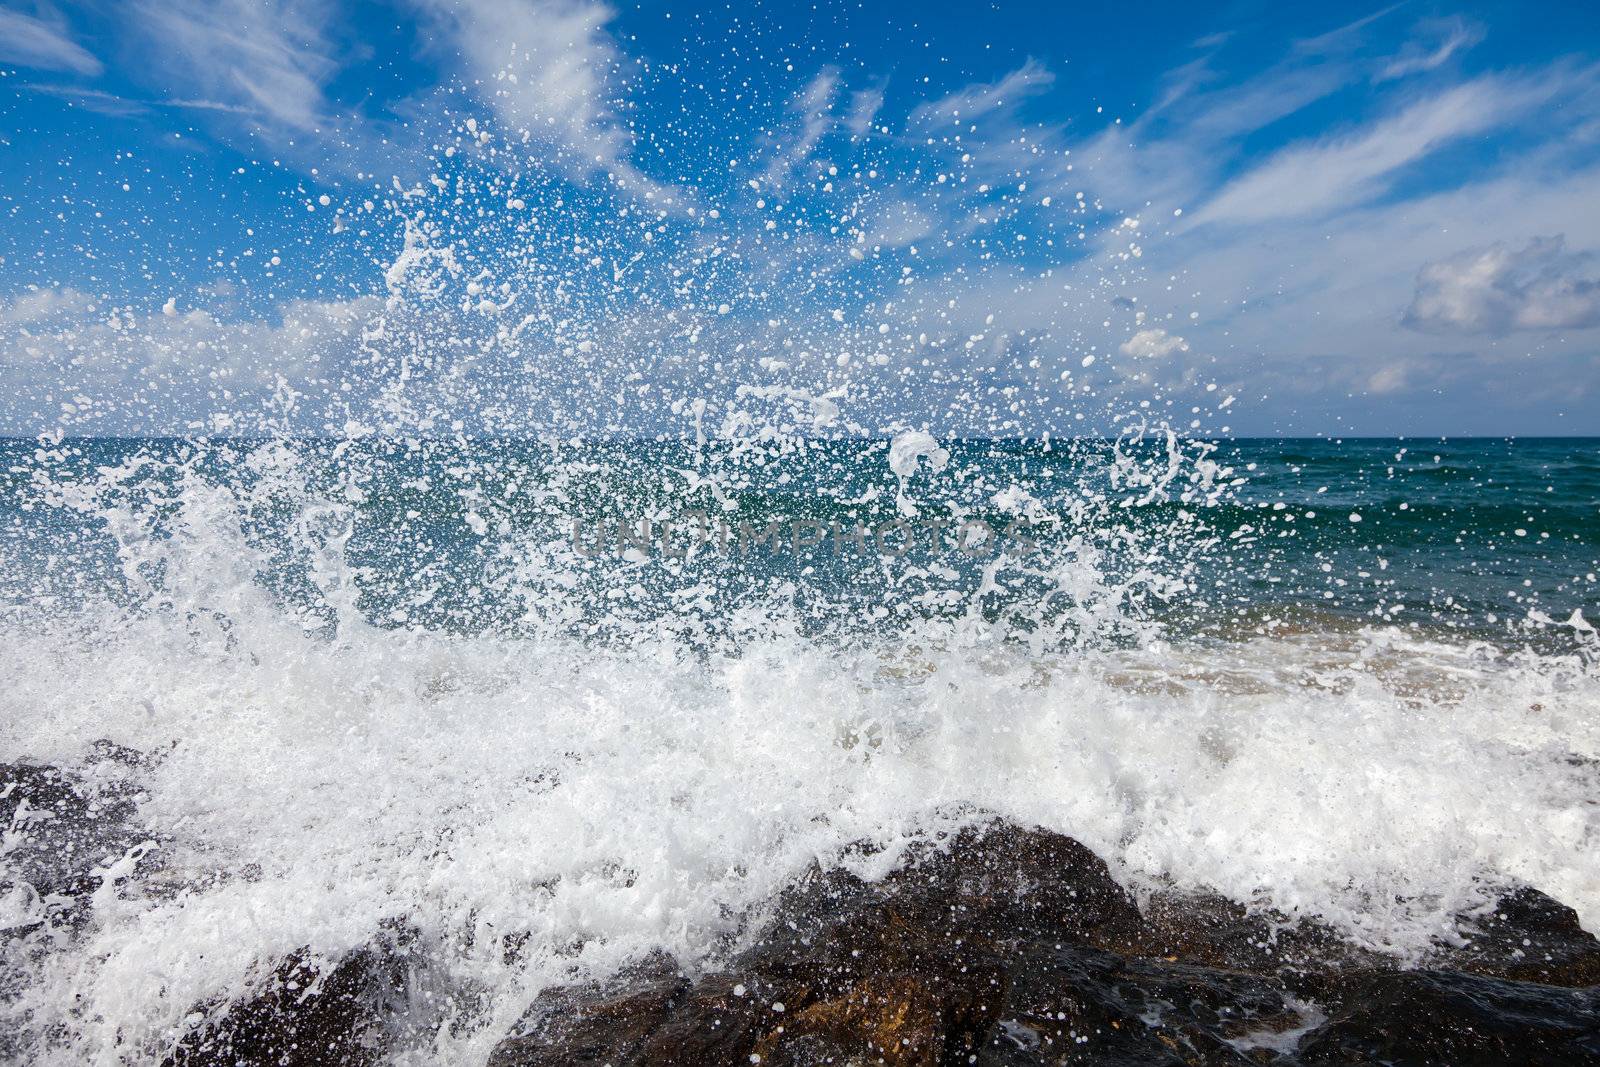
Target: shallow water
599	754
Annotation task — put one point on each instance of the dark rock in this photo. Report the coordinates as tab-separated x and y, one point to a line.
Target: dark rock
1528	937
307	1014
1014	947
1081	1005
66	836
65	830
1458	1020
1212	931
907	966
1000	946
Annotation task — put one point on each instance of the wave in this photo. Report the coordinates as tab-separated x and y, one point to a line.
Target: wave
299	790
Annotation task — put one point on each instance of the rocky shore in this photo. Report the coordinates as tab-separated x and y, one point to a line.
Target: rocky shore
1015	946
1003	945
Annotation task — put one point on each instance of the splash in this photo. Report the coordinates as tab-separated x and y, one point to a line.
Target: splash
420	642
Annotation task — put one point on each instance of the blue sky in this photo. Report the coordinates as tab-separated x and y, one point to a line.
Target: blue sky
1374	220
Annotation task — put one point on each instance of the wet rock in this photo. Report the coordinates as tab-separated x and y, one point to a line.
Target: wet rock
1213	931
1000	946
1454	1020
1527	937
1015	947
70	836
66	838
308	1013
66	835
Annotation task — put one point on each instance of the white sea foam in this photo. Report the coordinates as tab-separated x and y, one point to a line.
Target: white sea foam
307	789
603	780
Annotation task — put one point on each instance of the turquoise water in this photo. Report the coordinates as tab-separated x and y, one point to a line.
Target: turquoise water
589	693
355	686
1478	535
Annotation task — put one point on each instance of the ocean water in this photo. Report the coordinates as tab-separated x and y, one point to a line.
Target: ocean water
577	564
459	686
1497	539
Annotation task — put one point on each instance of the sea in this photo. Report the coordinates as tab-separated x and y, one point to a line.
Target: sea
608	695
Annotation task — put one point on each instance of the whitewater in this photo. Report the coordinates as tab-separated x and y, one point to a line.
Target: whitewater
337	666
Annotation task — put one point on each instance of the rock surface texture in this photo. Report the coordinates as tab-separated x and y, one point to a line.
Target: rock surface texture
1015	947
1000	946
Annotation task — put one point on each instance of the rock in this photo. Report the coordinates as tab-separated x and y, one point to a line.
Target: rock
64	834
999	946
1016	947
1084	1005
1432	1017
1528	937
907	965
66	838
1212	931
307	1014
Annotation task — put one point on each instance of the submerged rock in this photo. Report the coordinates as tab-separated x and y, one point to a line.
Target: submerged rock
1015	947
66	836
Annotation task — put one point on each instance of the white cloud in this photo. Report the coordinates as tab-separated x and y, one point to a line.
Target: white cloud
123	369
1401	374
1302	292
1309	311
271	57
43	42
1302	296
1310	179
1342	39
975	101
98	100
864	107
1171	153
1153	342
814	107
546	69
1303	304
41	304
1498	289
1440	40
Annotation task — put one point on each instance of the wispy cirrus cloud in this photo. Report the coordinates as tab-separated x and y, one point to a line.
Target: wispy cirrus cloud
1437	42
813	108
976	101
1180	148
44	42
547	69
1388	250
1324	262
281	72
1333	172
107	103
97	100
267	58
864	107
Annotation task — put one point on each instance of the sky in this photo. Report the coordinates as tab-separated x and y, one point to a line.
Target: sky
1338	219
